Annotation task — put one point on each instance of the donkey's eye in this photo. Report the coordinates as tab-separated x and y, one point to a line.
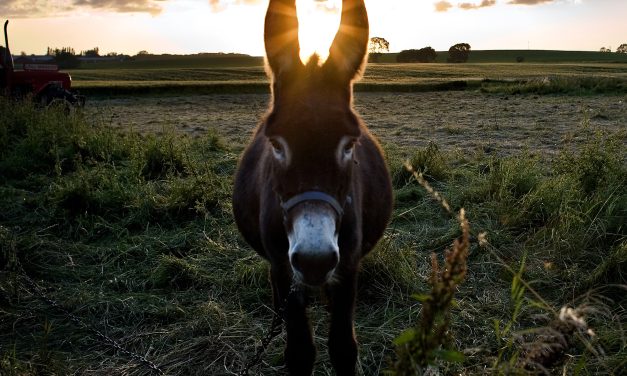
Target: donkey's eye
349	147
278	149
345	150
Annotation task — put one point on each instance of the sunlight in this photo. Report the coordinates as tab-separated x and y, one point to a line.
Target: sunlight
318	24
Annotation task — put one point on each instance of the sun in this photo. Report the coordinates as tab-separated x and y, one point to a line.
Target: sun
318	24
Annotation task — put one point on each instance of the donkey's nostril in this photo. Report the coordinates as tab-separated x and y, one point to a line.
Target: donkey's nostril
314	267
294	260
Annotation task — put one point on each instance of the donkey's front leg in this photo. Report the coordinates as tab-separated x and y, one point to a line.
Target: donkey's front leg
342	343
300	352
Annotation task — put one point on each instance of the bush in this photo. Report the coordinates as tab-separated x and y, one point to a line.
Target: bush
429	161
458	53
161	157
423	55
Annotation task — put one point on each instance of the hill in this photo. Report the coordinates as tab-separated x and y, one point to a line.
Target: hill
208	60
530	56
202	60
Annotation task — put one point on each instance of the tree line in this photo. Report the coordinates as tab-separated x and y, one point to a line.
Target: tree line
458	53
67	58
622	49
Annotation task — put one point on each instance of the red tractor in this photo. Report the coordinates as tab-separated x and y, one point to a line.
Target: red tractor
41	82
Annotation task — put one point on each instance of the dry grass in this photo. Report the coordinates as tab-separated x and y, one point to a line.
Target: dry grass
134	235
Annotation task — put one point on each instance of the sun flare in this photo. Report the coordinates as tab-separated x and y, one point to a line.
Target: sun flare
318	24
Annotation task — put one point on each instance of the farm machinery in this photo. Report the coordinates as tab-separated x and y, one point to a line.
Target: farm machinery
42	83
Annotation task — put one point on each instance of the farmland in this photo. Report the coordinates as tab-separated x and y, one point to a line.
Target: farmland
544	78
121	214
488	70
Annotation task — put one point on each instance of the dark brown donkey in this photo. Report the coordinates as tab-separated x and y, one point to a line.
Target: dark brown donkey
312	192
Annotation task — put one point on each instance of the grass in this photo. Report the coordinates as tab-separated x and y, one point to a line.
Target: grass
508	78
530	56
134	234
205	60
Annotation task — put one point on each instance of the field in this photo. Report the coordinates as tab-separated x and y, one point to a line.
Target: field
543	71
119	252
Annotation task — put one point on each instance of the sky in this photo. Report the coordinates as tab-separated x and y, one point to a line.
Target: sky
195	26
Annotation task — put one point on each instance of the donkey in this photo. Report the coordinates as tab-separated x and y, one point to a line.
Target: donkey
312	192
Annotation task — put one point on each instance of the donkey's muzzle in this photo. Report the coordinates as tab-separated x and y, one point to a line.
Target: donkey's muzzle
313	243
314	268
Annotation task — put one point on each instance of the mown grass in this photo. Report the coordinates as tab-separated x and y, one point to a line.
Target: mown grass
571	78
134	234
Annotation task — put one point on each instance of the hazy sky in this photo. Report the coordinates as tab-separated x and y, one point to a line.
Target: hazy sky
191	26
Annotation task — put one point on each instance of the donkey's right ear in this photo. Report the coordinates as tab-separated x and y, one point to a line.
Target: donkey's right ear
281	37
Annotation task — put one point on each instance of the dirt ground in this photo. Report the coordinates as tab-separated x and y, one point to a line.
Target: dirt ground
454	120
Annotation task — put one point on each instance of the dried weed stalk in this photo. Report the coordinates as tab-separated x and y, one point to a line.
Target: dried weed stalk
430	340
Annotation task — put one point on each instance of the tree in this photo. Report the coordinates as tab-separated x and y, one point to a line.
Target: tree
95	52
622	49
142	53
423	55
377	47
65	57
458	53
603	49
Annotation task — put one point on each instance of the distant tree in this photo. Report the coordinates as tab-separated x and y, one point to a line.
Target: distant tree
94	52
423	55
142	53
111	54
407	56
427	55
377	47
458	53
65	57
604	49
622	49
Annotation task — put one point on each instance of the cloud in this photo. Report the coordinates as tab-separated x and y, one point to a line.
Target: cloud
153	7
32	8
327	6
45	8
483	4
442	6
220	5
529	2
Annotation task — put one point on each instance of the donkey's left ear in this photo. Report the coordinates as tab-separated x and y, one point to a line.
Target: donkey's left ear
347	54
281	37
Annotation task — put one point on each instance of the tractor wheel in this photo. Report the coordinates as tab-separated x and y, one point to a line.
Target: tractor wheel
61	104
42	101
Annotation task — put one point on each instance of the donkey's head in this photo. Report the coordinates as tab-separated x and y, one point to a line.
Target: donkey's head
311	134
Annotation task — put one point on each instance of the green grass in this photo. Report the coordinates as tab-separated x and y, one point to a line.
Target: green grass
207	60
530	56
202	60
134	234
544	72
509	78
